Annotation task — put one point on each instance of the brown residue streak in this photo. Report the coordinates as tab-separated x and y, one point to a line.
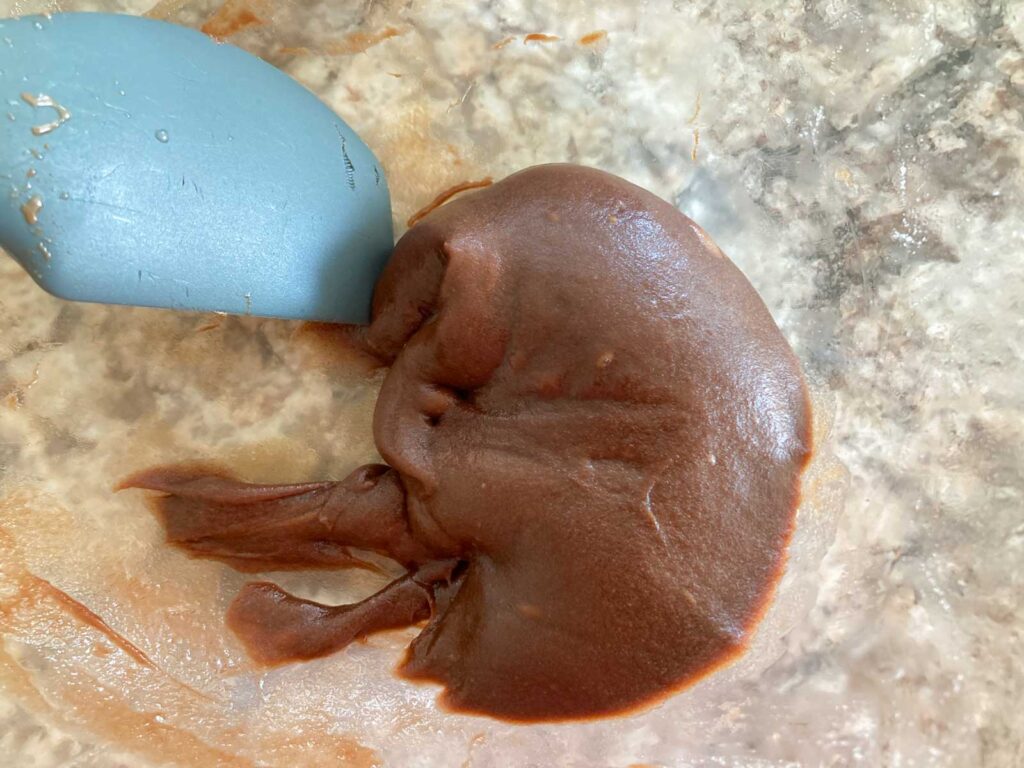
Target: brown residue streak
304	751
42	100
212	325
113	718
477	740
15	398
503	42
30	210
594	37
232	17
328	345
696	111
101	651
696	144
90	684
358	42
539	37
86	616
447	195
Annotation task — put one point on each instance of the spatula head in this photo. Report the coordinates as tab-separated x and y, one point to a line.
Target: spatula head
143	163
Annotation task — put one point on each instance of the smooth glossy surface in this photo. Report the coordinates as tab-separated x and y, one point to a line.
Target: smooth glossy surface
590	409
144	163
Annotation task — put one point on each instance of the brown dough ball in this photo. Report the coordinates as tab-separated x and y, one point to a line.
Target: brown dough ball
592	406
595	434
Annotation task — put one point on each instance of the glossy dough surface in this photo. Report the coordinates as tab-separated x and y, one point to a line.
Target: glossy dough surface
594	434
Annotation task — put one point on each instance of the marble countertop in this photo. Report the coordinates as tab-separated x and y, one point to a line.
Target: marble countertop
860	160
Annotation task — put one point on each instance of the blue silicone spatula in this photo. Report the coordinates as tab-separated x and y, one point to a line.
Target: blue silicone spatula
143	163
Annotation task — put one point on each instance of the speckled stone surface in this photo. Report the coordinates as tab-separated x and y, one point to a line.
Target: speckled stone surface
860	160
